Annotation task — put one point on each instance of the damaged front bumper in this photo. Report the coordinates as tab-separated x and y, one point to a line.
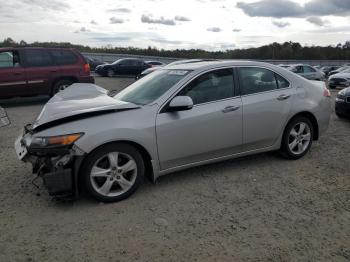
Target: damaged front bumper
57	166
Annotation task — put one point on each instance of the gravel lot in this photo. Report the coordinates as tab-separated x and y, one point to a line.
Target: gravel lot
257	208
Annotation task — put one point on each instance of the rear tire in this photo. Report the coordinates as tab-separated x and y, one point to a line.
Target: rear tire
61	85
113	172
297	138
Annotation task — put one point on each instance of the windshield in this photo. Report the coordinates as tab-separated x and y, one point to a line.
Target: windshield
116	62
151	87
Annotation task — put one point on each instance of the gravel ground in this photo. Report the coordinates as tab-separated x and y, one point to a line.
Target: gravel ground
257	208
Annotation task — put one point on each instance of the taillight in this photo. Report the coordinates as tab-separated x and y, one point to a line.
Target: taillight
87	68
326	92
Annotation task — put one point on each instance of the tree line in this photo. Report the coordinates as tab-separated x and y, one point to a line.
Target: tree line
283	51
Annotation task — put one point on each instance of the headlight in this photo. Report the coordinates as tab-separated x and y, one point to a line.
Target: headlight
55	141
341	92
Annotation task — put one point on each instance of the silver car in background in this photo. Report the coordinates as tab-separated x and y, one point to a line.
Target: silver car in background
175	118
308	72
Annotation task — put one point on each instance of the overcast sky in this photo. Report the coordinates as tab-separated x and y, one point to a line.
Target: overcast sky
170	24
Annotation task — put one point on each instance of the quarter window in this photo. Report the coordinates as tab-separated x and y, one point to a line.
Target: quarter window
211	86
63	57
37	58
255	80
281	82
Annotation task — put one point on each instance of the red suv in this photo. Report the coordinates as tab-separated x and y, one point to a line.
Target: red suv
40	71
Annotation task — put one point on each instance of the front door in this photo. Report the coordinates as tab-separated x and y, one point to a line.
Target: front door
267	99
211	129
13	80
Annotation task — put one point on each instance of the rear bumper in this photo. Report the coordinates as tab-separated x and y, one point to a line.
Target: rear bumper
86	79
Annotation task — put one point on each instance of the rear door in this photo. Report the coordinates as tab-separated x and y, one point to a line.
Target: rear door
13	80
267	100
66	62
40	70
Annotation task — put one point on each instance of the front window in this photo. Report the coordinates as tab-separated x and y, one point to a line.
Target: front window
9	59
211	86
151	87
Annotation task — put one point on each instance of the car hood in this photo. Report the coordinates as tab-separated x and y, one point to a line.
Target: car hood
78	101
341	75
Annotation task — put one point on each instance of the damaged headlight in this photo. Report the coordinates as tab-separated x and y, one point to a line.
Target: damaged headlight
55	141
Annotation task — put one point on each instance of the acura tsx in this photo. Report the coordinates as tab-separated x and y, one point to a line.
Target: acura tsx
175	118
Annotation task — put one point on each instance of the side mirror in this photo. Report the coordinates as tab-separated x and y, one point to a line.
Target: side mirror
180	103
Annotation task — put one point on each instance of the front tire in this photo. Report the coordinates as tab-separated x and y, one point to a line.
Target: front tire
113	172
110	73
297	138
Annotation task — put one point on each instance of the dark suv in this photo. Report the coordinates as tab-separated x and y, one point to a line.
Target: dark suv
40	71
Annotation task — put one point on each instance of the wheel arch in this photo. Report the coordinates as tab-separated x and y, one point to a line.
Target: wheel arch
70	78
147	158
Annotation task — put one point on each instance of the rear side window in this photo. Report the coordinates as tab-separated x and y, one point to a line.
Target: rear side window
63	57
9	59
131	62
37	58
256	80
308	69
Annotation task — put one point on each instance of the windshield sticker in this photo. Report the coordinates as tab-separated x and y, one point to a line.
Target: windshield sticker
178	72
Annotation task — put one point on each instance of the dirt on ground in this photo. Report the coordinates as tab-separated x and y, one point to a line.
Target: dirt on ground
256	208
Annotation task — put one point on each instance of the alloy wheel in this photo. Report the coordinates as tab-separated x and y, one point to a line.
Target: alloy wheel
113	174
299	138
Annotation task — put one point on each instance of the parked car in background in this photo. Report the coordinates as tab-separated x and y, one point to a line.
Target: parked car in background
155	63
40	71
178	62
284	65
307	72
125	66
340	69
341	79
178	117
93	62
327	69
342	103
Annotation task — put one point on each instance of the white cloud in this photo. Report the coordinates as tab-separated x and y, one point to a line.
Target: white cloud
176	24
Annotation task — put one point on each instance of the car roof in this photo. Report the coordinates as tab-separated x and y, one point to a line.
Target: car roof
212	64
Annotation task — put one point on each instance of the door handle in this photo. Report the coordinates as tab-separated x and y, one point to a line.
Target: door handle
17	74
283	97
229	109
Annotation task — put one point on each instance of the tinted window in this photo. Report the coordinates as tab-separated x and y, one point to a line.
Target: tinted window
151	87
308	69
126	62
63	57
282	83
37	58
255	80
9	59
211	86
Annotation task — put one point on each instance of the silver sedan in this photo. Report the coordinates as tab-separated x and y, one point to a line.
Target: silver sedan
175	118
